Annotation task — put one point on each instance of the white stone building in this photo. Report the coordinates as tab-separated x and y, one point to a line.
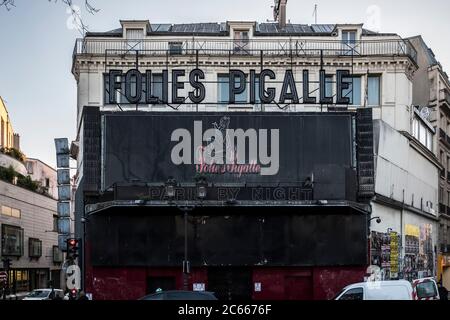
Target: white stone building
407	172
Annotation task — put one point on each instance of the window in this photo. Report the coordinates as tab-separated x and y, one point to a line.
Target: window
15	213
175	48
47	182
134	38
354	90
55	223
12	241
349	42
157	86
329	85
7	211
57	255
349	37
223	90
120	93
11	212
373	91
34	248
241	40
353	294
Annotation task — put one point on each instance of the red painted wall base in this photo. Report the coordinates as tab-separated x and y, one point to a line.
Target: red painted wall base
284	283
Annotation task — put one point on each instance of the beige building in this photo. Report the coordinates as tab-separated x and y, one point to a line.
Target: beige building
28	216
7	137
432	89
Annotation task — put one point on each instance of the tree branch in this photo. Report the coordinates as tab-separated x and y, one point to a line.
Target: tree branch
82	28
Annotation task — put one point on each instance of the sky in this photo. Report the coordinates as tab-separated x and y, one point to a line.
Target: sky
37	41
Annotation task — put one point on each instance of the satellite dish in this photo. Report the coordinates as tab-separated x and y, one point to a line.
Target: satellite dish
425	112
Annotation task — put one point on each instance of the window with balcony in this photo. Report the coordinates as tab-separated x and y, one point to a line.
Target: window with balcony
241	40
34	248
349	42
12	241
134	39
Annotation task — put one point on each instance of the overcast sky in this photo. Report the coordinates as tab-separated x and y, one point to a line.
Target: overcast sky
37	43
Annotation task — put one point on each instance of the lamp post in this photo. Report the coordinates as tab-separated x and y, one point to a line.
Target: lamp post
186	264
201	186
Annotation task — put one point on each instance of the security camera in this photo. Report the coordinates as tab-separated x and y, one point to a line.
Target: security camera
378	220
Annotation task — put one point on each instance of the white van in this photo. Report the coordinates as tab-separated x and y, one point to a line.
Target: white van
422	289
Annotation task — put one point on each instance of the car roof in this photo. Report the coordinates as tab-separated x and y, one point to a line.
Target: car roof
47	289
380	283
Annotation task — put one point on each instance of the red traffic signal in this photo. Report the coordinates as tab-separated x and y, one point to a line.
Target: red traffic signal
72	249
73	293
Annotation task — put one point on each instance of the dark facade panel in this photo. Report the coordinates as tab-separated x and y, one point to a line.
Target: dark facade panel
247	237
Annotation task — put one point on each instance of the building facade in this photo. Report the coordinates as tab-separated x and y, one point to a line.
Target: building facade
329	71
432	90
28	222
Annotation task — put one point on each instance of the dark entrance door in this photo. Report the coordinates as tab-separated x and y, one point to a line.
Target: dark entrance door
230	283
164	283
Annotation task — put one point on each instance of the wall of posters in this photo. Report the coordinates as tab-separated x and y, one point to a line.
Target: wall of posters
385	253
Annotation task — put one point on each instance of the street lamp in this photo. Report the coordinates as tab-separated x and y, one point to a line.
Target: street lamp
170	188
201	188
378	219
186	264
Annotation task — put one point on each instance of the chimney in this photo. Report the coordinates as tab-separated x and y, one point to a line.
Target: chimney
280	13
16	142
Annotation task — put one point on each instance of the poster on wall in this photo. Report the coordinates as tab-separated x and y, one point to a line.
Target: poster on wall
394	257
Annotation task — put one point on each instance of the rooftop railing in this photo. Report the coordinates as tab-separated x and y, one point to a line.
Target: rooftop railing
265	47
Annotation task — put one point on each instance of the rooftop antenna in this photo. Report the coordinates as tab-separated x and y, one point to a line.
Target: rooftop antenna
315	14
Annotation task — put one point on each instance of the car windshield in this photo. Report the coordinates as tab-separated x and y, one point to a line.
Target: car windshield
426	290
39	294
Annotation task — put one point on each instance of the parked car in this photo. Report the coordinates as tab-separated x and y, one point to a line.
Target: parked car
180	295
45	294
421	289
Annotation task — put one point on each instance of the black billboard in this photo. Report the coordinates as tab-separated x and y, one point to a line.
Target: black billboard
286	236
232	148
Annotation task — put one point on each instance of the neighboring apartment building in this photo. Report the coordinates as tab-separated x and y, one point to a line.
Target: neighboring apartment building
432	90
8	139
28	222
382	65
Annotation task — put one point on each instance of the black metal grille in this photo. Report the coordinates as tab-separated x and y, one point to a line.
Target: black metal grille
365	156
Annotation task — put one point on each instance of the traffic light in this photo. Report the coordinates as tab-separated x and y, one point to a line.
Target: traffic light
72	249
73	294
6	263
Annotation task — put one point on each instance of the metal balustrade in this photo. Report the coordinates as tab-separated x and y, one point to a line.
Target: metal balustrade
267	47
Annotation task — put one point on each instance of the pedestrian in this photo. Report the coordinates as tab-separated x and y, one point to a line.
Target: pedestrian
83	296
443	292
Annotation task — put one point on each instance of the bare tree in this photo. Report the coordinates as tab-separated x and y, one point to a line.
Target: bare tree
78	21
